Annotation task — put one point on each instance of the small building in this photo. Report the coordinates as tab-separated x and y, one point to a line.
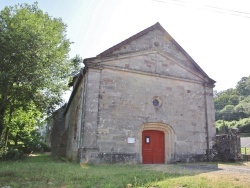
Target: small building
144	100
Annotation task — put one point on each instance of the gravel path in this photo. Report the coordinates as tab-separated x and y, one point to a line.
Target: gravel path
197	168
235	169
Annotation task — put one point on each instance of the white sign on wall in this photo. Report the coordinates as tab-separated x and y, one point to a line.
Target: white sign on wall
131	140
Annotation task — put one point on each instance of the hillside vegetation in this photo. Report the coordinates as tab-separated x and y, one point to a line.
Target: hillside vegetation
232	107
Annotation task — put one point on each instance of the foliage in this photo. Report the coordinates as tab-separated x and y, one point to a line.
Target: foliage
33	59
33	76
245	134
243	86
22	134
233	107
223	98
12	154
245	151
3	151
75	63
243	125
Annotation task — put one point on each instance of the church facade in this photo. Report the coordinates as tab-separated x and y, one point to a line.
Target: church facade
144	100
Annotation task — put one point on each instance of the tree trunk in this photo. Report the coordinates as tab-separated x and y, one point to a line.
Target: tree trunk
2	111
16	139
6	138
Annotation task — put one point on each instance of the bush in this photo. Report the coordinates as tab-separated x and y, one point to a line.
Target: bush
12	154
16	152
36	146
243	125
221	127
45	147
3	151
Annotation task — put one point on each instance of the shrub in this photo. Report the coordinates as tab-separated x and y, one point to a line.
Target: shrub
243	125
45	147
36	146
12	154
3	151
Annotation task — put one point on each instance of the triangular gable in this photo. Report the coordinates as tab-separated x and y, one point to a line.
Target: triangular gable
143	62
156	37
134	37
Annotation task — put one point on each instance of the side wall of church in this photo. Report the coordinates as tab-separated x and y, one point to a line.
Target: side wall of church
73	123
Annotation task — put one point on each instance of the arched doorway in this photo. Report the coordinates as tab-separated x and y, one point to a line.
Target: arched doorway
156	143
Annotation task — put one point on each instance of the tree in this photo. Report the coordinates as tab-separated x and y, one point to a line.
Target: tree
227	97
33	60
243	86
21	125
75	65
227	112
233	106
244	107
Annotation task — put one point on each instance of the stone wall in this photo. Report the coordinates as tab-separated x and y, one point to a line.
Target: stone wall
88	149
58	128
228	147
118	157
126	104
119	103
73	121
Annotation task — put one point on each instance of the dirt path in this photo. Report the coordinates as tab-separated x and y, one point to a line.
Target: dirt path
235	169
197	168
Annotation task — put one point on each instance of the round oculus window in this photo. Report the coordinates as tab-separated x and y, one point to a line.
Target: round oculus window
156	102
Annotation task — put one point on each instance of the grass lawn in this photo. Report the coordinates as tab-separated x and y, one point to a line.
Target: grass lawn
41	171
243	150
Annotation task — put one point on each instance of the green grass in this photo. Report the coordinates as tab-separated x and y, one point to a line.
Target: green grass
243	150
196	182
41	171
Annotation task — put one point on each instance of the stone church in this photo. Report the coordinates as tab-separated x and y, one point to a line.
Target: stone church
144	100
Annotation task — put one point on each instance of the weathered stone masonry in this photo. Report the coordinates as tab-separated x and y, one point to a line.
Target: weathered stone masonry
147	82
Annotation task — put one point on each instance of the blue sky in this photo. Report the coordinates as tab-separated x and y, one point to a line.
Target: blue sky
216	34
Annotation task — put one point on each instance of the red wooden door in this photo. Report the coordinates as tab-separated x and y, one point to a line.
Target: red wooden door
153	147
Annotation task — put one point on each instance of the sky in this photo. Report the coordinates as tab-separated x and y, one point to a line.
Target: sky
216	34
